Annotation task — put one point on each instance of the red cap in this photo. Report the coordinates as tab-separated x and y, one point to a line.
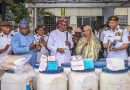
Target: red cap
59	21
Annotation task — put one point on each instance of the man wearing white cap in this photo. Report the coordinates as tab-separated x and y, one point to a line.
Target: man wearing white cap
24	43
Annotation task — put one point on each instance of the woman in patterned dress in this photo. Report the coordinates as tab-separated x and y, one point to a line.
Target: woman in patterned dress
89	45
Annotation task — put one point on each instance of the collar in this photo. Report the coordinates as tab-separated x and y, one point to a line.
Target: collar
61	31
115	30
3	35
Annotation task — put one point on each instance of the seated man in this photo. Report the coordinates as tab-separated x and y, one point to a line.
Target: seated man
24	43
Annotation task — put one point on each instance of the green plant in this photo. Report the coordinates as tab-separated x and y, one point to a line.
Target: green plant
19	11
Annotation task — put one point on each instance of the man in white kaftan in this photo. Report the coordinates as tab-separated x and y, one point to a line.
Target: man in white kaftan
60	42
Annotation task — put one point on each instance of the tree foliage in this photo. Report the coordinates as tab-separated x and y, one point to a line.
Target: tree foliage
19	11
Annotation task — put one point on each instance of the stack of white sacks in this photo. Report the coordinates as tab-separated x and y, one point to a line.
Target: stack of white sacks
15	63
20	75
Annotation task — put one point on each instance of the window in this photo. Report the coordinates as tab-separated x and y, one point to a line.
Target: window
85	21
50	22
123	19
88	20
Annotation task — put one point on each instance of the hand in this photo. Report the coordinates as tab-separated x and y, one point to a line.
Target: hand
67	43
85	42
88	37
38	47
61	50
32	46
7	66
42	39
76	40
11	52
7	47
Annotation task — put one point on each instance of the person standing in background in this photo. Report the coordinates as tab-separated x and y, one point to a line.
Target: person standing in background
24	43
0	31
76	37
96	29
99	33
128	50
60	42
5	38
42	40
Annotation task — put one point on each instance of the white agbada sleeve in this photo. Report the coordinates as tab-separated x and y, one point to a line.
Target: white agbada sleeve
51	43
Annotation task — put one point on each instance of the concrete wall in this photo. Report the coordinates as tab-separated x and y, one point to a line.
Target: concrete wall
77	11
84	12
74	12
121	11
106	12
